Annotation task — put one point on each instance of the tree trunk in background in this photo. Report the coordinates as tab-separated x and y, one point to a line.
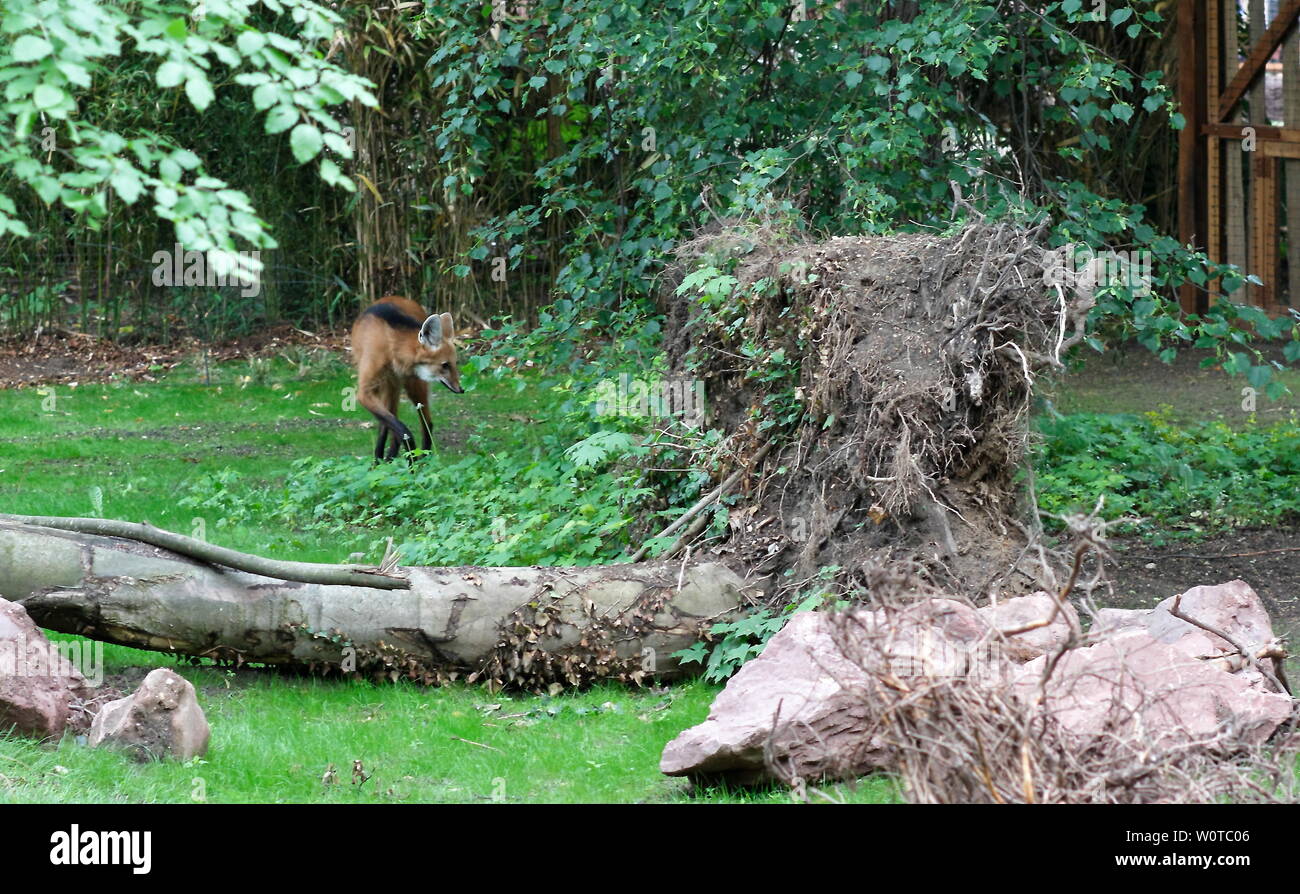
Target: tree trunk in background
531	627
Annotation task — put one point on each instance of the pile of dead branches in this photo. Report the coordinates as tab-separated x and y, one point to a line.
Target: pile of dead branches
984	736
958	740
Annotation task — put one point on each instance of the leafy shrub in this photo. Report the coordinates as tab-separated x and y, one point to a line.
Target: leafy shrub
742	640
1192	478
885	117
52	51
745	637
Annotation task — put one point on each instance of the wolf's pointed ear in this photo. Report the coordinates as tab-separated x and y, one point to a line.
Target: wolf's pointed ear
448	327
431	333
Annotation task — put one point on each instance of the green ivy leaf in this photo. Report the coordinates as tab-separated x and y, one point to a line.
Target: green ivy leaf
281	118
127	184
47	96
169	74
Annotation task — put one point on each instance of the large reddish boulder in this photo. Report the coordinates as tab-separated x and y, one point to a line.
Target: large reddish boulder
38	685
1109	620
1233	608
160	719
805	707
800	676
1131	685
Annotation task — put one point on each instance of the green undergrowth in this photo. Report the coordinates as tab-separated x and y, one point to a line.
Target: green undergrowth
1184	480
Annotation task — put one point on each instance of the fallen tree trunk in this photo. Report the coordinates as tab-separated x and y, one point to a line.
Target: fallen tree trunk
532	627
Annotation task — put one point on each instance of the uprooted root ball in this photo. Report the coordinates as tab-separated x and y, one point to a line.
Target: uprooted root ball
894	374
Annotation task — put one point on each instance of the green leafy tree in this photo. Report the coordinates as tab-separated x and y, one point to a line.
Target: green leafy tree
55	50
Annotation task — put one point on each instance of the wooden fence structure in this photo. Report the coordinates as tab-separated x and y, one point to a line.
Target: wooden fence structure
1239	154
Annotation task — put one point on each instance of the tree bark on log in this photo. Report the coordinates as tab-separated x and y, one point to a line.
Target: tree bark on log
532	627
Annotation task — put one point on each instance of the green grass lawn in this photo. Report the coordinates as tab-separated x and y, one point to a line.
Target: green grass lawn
273	738
130	451
1131	380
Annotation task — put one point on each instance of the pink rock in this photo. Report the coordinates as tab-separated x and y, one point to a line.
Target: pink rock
1131	684
1012	614
806	704
796	678
37	684
160	719
802	708
1111	619
1233	607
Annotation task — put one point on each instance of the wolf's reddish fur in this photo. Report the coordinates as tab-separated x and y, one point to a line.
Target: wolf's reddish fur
396	347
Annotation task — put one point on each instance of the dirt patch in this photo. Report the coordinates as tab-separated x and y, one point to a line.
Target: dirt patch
129	678
908	362
63	357
52	357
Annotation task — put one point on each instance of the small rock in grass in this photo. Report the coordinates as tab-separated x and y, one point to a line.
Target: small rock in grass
160	719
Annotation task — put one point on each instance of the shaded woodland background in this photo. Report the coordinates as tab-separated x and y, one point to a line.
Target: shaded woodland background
578	141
